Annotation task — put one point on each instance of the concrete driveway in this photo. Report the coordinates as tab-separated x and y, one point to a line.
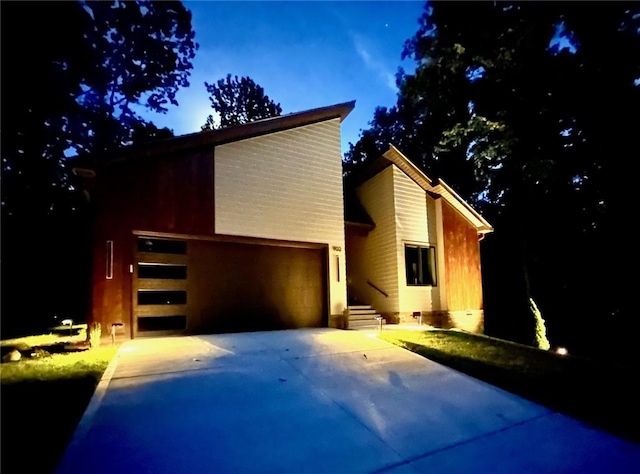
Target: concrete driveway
318	401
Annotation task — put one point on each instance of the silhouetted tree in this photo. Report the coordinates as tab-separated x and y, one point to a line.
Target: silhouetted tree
76	89
529	109
74	75
237	101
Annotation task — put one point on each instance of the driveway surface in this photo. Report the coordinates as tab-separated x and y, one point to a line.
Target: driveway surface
319	401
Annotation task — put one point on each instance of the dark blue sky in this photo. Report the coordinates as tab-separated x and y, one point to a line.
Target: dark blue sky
305	54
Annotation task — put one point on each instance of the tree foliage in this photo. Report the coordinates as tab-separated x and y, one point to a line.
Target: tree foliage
529	109
79	88
75	75
237	101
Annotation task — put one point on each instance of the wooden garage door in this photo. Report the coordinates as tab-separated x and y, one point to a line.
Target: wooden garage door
245	287
207	287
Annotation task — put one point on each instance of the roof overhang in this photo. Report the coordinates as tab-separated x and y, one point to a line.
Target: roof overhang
234	133
438	188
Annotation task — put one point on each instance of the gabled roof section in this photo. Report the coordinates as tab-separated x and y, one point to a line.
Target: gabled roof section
439	188
232	134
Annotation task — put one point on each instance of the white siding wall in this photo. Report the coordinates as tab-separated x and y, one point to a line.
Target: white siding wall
432	210
286	186
380	263
413	225
436	236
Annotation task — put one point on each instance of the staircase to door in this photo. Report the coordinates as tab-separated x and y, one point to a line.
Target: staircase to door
364	317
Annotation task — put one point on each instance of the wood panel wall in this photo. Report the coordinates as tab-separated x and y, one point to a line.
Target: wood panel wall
462	262
165	194
234	287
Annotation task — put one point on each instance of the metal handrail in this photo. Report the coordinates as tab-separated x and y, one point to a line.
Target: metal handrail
377	289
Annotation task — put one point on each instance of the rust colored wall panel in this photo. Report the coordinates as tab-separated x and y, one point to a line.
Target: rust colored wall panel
167	194
112	297
462	262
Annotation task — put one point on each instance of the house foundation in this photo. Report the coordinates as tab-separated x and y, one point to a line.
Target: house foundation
469	321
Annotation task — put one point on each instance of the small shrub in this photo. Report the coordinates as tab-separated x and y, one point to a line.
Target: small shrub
95	334
38	353
541	330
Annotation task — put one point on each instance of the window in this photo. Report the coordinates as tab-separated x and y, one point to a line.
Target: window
162	323
148	244
162	271
162	297
420	262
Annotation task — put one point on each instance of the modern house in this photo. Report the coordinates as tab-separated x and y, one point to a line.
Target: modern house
243	228
414	253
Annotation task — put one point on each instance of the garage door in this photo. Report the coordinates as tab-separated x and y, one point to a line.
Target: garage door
208	287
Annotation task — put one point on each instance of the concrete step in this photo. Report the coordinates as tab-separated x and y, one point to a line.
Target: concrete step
362	311
365	324
363	317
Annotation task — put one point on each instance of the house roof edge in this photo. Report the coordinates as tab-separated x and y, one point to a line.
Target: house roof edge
438	187
226	135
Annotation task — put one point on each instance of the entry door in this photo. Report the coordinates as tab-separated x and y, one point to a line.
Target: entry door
160	287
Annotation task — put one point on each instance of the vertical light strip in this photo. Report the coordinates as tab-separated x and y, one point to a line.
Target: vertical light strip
109	269
338	266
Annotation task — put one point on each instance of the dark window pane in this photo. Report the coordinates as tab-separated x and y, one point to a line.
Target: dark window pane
162	271
162	297
420	265
162	323
426	265
412	263
146	244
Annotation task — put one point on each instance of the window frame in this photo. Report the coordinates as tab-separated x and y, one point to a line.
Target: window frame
428	274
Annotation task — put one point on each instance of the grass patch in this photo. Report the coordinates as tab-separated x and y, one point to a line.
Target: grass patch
57	367
43	397
602	394
58	335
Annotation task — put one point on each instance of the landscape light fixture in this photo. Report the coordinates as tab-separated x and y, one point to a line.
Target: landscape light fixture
68	322
379	318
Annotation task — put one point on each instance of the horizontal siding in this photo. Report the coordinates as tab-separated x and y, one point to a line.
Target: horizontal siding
411	226
379	252
411	208
286	185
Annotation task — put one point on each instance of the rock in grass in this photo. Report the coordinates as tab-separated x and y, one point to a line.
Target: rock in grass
13	356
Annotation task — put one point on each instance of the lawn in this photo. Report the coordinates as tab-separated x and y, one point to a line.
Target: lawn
603	394
43	397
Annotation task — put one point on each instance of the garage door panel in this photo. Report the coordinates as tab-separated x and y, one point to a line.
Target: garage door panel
250	287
